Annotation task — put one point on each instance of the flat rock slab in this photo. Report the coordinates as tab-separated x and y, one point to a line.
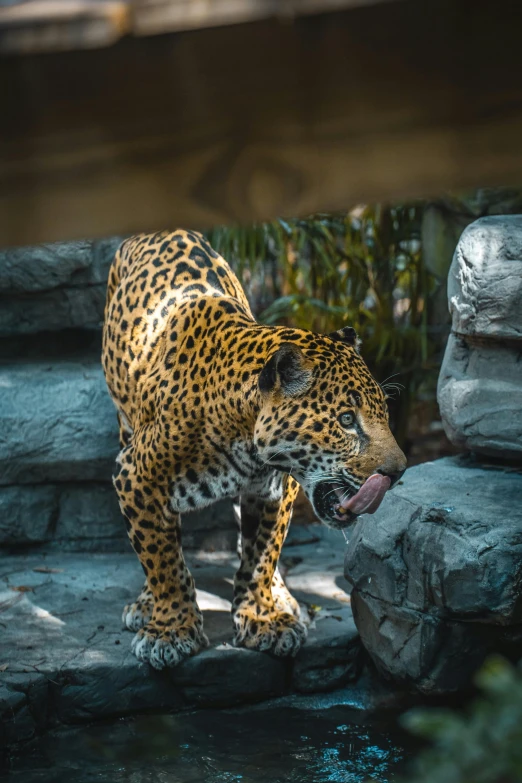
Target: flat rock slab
64	657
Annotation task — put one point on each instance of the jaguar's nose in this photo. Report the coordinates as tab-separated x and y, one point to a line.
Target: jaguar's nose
394	476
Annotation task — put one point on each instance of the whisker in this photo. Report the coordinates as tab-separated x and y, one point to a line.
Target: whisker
331	491
393	386
277	454
344	495
323	477
395	374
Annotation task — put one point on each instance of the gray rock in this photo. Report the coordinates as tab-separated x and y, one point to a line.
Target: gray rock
225	676
480	396
26	514
57	423
426	653
23	699
480	384
85	517
54	287
71	516
436	573
213	529
88	517
331	657
63	308
68	659
59	440
46	267
485	279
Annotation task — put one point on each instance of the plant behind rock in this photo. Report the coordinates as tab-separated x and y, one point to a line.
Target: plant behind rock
480	744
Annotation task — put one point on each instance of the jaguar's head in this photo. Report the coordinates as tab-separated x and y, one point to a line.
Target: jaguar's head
324	419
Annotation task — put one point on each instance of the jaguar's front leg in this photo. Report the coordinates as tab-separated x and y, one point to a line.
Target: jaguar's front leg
265	615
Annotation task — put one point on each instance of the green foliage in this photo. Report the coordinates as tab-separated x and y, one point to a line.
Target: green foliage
362	269
483	744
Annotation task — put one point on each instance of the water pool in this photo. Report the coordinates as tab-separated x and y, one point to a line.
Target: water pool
284	745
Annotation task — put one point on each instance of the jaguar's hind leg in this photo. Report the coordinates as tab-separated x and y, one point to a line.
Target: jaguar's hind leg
175	629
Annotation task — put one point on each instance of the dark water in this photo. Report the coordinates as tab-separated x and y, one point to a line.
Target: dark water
286	745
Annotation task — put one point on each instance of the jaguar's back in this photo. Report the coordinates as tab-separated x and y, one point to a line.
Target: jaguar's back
153	280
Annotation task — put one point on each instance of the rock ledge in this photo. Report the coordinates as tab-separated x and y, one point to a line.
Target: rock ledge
437	573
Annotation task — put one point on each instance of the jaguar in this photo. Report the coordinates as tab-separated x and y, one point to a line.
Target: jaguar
213	405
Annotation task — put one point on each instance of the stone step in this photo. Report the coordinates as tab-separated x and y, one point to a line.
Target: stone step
53	287
57	423
85	517
64	657
70	516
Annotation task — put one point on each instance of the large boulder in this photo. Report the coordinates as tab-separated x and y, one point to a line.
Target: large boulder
480	383
437	573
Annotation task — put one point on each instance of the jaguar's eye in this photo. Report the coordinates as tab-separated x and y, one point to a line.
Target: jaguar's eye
347	420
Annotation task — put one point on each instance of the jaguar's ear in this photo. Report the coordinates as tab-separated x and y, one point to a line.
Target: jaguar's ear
347	335
286	370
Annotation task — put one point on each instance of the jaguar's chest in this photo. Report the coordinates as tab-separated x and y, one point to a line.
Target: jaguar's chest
224	474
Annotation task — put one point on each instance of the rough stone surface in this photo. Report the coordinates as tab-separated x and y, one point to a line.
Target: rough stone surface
44	267
57	286
71	516
68	660
64	308
480	396
85	517
57	423
480	384
437	573
485	279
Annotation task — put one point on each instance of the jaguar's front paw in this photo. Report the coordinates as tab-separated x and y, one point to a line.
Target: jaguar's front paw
280	633
168	644
138	614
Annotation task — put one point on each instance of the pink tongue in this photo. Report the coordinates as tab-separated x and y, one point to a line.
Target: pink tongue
369	497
